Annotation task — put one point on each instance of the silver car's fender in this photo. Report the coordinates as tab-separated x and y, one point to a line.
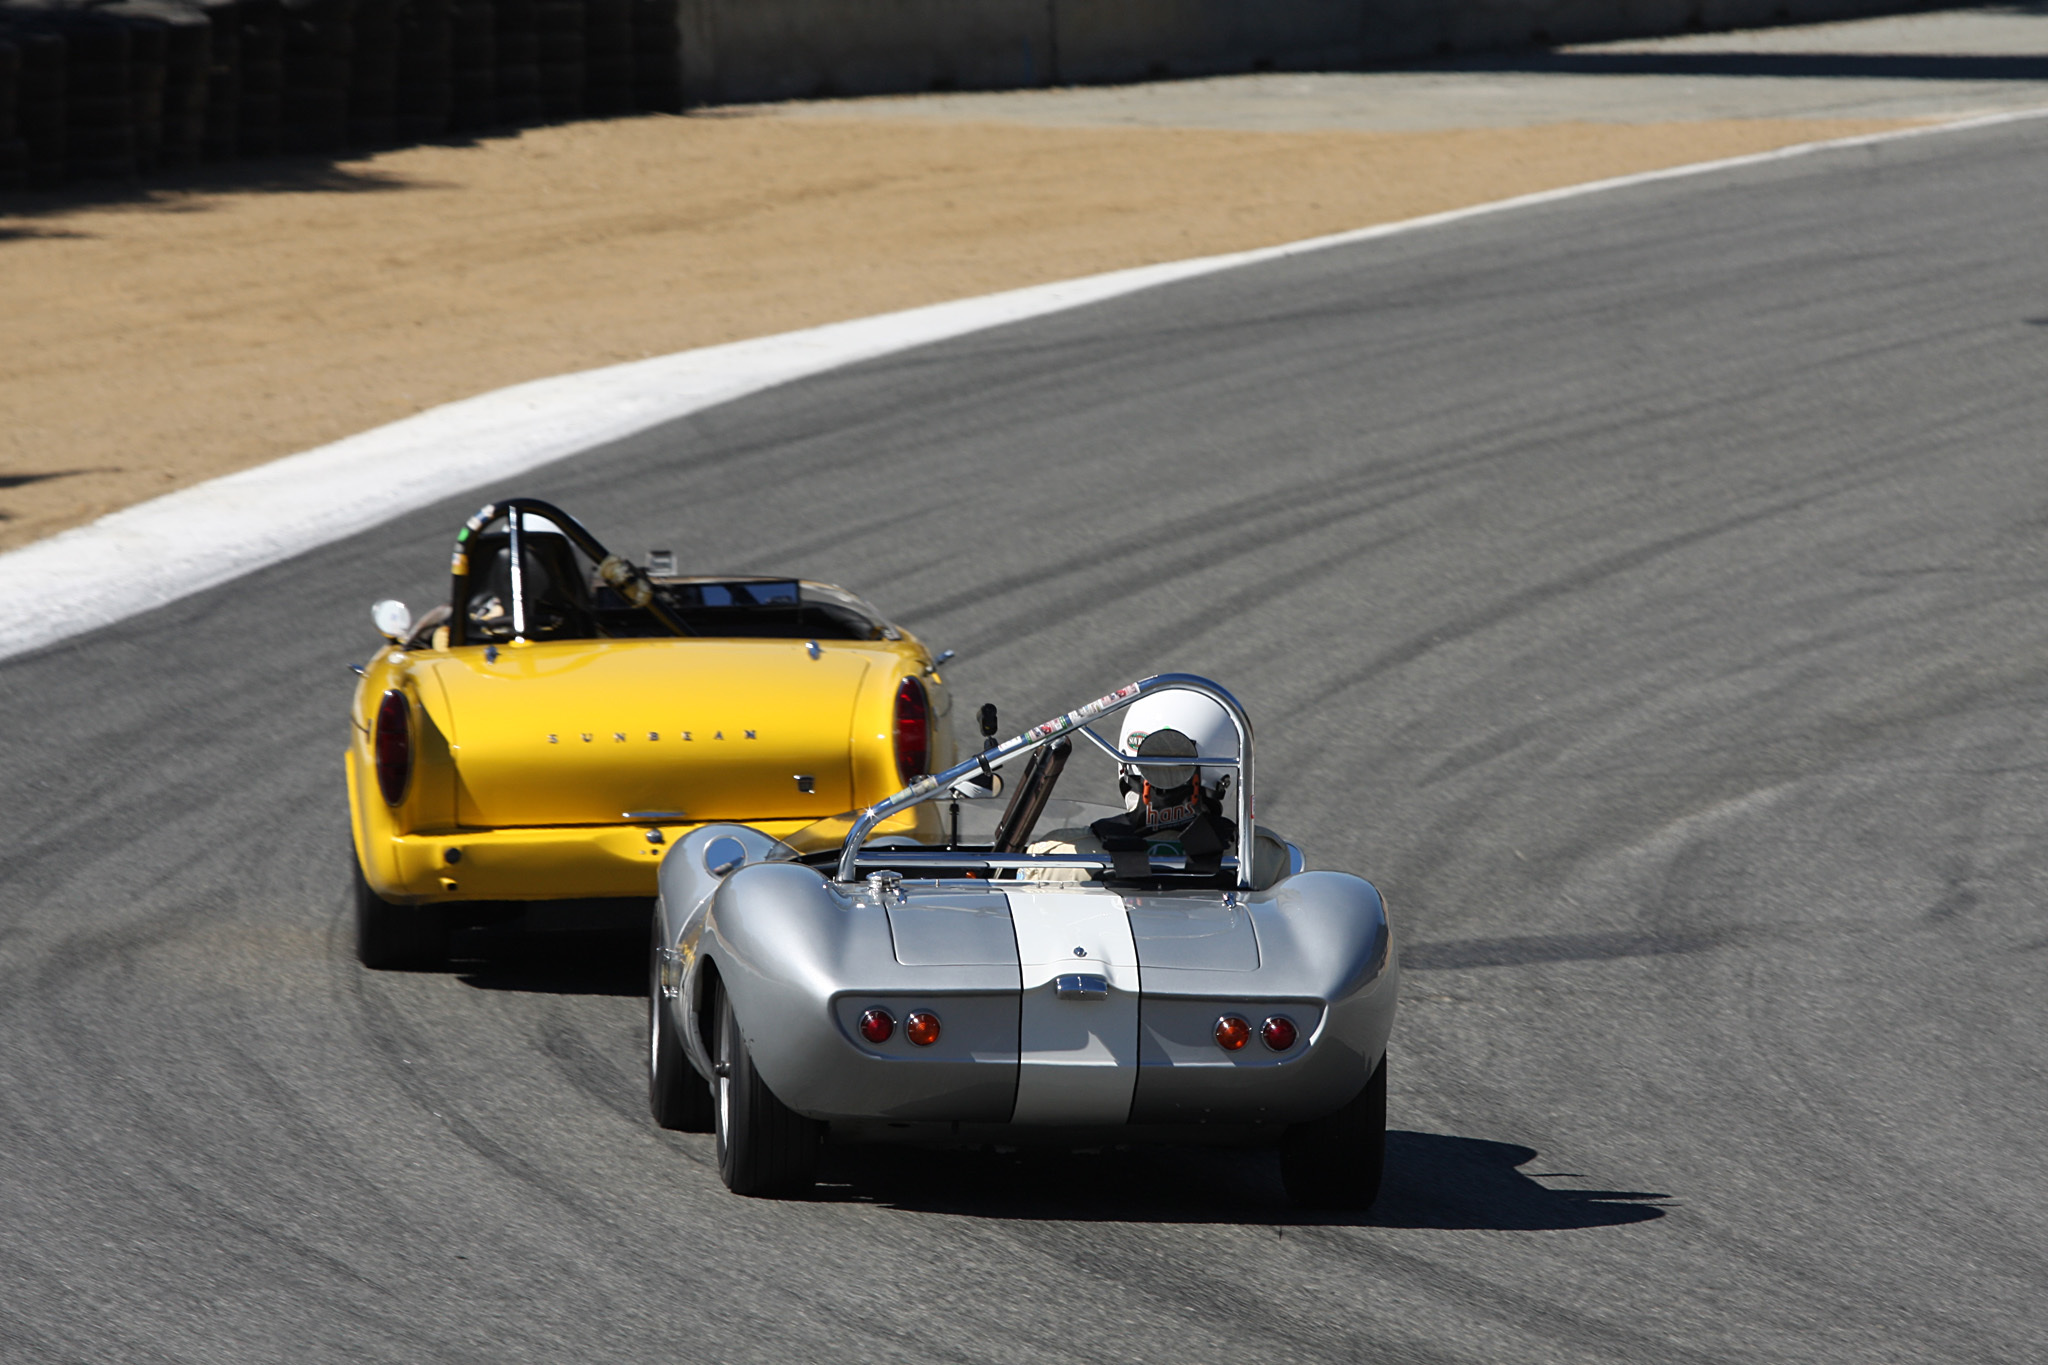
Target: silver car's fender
691	873
1326	958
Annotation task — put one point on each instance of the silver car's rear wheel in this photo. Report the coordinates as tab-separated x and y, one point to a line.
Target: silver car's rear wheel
1335	1162
675	1092
764	1146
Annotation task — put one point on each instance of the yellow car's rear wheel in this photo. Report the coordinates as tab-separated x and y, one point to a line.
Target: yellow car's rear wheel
397	937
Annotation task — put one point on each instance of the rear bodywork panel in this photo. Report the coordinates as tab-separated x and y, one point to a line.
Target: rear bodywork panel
802	957
528	756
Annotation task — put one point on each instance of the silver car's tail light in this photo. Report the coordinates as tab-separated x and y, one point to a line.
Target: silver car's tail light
878	1026
393	746
922	1028
913	730
1232	1033
1279	1033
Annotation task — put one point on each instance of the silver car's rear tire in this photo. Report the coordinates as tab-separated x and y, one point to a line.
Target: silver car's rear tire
676	1094
396	937
764	1146
1335	1162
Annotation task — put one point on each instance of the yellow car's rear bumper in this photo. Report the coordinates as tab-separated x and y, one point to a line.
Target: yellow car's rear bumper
564	863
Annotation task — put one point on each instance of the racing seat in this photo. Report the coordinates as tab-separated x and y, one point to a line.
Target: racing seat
558	605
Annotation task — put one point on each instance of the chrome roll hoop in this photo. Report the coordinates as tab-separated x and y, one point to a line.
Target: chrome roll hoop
1081	720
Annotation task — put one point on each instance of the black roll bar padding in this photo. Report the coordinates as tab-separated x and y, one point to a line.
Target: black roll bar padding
1028	802
579	535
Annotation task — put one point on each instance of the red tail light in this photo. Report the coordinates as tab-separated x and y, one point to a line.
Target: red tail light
878	1026
393	745
1232	1033
1279	1033
922	1028
913	730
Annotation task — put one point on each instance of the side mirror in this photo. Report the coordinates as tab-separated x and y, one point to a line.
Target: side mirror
392	619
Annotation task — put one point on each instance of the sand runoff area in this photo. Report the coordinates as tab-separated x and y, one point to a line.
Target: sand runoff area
163	336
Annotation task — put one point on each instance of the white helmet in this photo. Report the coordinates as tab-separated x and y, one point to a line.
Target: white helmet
1201	719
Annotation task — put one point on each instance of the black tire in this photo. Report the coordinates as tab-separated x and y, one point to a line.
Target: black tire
679	1097
1335	1162
764	1147
397	937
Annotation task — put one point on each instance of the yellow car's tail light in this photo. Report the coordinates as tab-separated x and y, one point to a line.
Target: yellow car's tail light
393	745
913	731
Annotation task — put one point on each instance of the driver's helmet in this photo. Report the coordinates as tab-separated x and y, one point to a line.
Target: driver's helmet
555	595
1174	724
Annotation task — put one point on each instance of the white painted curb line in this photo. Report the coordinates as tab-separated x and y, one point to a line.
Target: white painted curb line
185	542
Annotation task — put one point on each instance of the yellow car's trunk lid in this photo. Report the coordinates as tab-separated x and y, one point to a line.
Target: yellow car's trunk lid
581	732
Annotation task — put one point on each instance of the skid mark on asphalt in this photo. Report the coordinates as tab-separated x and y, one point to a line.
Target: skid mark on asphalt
1529	949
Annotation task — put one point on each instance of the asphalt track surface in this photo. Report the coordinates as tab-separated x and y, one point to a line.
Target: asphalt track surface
1644	590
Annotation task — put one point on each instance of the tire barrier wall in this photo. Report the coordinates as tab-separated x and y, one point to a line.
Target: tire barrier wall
109	89
112	89
743	50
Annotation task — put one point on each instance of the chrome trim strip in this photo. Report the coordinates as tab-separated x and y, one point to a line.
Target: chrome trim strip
1081	987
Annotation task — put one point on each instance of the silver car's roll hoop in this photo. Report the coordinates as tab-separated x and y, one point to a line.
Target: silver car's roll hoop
1081	720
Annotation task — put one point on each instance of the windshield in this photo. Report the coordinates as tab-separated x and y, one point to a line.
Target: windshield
744	608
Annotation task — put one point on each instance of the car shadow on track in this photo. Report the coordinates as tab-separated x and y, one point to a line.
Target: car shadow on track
1433	1180
598	963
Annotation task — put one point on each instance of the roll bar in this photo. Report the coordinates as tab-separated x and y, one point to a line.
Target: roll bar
1081	720
627	577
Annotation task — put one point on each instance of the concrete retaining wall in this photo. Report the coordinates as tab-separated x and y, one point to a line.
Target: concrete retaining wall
746	50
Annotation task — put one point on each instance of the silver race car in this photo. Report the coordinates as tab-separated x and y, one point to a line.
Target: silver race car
1157	972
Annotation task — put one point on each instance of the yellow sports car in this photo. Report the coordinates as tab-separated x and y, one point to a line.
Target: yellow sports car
546	733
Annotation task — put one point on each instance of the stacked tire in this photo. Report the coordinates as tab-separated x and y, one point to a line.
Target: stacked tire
221	138
148	45
188	72
373	74
473	64
425	95
261	117
518	62
319	42
13	151
560	25
608	57
171	61
100	97
657	56
39	102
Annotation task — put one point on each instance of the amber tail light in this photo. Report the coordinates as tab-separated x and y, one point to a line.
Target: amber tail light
922	1028
1232	1033
913	731
392	744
